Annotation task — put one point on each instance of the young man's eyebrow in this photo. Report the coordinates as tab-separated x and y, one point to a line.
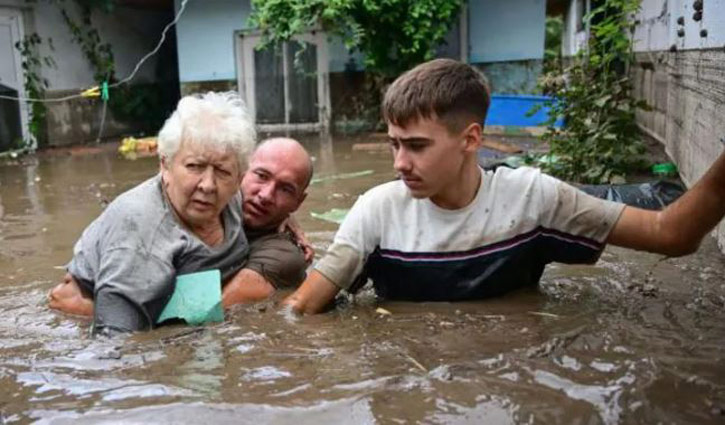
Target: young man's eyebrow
410	139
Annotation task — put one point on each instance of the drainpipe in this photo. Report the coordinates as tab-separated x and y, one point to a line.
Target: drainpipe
463	33
588	25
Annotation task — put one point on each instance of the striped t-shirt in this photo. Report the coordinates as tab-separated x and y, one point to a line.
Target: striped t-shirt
519	221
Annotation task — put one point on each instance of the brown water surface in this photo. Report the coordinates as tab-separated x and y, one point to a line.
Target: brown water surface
635	339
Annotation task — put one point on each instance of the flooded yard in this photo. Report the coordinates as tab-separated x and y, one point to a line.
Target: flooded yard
637	338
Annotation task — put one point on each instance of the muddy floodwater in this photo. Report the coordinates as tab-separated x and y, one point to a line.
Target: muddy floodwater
637	338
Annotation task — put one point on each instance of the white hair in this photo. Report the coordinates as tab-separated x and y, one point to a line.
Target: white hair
219	121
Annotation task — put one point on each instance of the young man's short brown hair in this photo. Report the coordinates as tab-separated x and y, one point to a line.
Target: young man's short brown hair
452	92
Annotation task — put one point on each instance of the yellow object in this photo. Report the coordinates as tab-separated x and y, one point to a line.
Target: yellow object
132	147
92	92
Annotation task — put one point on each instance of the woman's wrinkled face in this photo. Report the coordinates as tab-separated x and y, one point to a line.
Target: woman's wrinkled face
199	182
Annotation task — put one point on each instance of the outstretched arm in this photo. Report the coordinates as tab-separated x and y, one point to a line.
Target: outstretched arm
316	293
274	262
245	287
678	229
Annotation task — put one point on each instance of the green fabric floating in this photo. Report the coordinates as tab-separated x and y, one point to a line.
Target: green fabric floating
667	169
197	299
341	176
335	215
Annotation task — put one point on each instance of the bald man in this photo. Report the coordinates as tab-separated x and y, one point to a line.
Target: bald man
273	187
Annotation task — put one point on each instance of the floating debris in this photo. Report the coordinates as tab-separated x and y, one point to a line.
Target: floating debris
383	311
342	176
544	314
335	215
132	148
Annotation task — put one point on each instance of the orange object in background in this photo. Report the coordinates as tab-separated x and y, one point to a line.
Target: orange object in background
132	148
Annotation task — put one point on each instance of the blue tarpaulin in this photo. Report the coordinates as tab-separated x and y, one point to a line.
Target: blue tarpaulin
512	110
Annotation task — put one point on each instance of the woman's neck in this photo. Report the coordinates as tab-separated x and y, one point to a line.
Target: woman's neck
211	234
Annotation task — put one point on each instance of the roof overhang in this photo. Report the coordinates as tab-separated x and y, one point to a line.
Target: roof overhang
148	4
556	7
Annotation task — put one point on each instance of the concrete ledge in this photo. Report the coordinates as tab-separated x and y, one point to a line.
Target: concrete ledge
191	87
78	120
512	130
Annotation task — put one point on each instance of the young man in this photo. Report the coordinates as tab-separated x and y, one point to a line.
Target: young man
447	230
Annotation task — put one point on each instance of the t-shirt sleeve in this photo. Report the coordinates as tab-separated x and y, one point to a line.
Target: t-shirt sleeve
576	223
357	237
278	259
132	288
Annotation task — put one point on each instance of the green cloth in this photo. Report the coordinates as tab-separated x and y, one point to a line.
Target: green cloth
197	299
335	215
342	176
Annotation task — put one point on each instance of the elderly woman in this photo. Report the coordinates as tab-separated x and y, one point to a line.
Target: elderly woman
187	218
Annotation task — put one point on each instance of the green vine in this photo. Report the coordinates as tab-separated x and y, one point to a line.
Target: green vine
600	141
35	84
143	104
98	53
393	35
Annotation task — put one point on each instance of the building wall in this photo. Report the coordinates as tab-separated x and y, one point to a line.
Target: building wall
680	72
131	32
658	29
512	77
206	44
506	30
205	39
574	35
684	84
506	39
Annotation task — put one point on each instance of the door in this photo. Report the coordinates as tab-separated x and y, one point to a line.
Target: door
13	114
286	86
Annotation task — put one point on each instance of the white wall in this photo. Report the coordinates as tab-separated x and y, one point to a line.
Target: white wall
206	45
205	38
658	28
131	32
574	36
506	30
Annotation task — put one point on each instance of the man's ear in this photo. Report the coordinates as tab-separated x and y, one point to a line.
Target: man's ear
302	199
473	137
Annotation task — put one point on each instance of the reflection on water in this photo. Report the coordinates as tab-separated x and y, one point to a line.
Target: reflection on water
634	339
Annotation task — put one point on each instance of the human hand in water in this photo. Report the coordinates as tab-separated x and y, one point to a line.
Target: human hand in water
68	297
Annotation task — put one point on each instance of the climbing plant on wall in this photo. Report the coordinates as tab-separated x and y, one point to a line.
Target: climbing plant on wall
553	31
600	141
34	82
143	104
98	53
393	35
